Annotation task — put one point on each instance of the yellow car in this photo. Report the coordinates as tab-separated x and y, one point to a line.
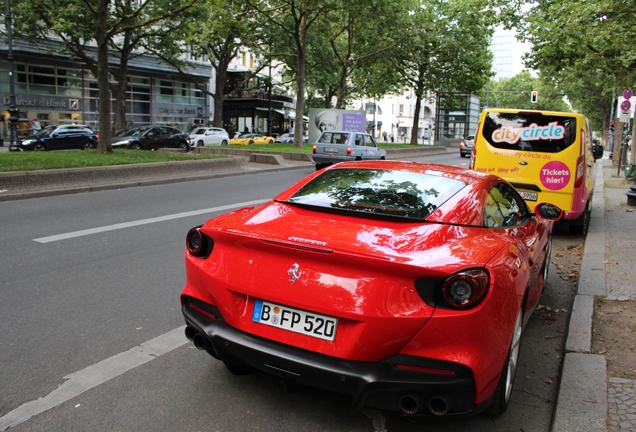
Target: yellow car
249	139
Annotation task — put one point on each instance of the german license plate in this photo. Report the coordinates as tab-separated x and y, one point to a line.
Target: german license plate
296	320
331	150
529	196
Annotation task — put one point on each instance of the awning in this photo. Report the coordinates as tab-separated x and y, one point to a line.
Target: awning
292	115
281	112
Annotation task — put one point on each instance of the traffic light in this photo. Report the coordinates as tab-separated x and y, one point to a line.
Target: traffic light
534	96
611	126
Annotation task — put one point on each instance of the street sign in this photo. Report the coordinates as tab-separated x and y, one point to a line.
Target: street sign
627	93
626	105
624	116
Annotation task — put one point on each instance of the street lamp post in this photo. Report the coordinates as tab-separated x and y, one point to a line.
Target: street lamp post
13	109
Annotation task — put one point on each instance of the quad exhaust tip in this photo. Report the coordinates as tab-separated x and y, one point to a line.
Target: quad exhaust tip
436	405
197	338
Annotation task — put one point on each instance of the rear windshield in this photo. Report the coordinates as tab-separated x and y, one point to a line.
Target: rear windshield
333	138
529	131
378	192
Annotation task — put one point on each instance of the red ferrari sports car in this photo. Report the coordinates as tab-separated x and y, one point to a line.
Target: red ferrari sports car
403	285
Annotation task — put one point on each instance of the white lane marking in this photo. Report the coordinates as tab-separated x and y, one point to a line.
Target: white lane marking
95	375
90	231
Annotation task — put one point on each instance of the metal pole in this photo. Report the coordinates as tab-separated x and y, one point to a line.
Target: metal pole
269	96
13	109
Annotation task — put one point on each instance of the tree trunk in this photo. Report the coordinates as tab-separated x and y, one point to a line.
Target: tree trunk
301	42
618	141
105	132
119	94
416	115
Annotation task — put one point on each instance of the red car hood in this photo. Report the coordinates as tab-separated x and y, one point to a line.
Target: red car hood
361	271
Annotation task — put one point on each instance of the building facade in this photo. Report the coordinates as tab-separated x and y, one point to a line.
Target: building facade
57	90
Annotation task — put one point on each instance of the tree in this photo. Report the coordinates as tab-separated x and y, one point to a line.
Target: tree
586	46
218	30
122	25
288	23
444	49
515	92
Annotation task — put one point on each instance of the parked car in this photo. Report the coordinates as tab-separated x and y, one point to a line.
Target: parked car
466	146
289	138
252	138
334	146
403	285
59	137
151	138
209	136
546	155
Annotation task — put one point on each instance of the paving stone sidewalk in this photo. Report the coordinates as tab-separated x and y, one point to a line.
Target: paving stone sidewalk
620	278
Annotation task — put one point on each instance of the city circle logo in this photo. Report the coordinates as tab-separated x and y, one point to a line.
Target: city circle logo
555	175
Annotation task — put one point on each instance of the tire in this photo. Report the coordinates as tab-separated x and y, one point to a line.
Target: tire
501	398
581	225
200	143
136	146
224	142
271	141
88	145
546	263
251	142
39	147
184	145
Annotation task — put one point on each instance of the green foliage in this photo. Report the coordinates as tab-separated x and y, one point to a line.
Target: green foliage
585	46
515	93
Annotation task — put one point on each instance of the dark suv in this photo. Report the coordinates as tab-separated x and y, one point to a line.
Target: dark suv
60	137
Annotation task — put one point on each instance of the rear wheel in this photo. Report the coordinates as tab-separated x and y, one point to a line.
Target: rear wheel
136	146
271	141
200	143
580	225
88	145
501	398
224	142
251	142
39	147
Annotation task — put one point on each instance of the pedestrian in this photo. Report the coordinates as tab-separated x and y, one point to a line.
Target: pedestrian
392	138
384	136
35	126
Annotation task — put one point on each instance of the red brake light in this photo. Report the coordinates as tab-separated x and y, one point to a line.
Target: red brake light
97	136
580	171
348	151
194	241
466	289
313	149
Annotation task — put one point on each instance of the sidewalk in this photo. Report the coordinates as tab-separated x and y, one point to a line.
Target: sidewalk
589	398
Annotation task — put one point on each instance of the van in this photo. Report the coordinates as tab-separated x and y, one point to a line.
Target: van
546	155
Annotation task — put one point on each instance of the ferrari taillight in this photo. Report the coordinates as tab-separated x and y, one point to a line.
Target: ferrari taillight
313	149
198	244
466	289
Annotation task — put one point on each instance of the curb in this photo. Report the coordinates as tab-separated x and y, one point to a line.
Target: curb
582	396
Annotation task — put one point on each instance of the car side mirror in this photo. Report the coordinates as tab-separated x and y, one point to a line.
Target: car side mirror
598	152
548	211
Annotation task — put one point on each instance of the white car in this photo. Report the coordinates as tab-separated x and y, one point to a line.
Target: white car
208	136
289	138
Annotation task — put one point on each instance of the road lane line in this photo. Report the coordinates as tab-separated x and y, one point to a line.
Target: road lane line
95	375
105	228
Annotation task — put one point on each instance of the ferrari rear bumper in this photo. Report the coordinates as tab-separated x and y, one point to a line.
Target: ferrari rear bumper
410	385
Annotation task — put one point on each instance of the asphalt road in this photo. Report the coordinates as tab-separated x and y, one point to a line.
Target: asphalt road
91	335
